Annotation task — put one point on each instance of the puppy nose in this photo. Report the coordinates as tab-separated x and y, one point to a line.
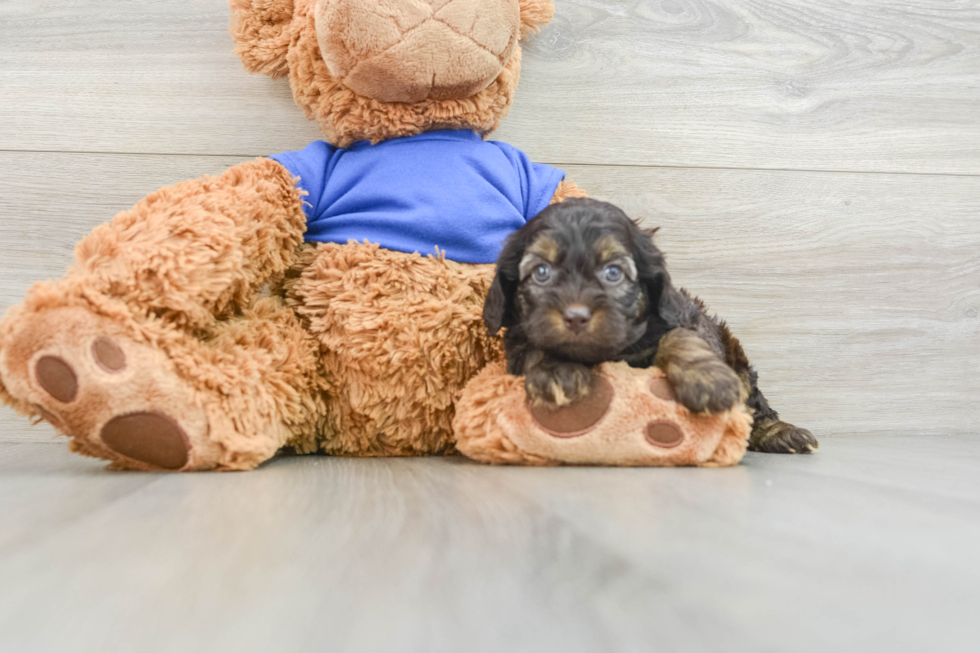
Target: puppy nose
577	317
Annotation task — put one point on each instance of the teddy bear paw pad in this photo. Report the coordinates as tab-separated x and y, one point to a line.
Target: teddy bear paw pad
579	417
661	388
108	355
120	399
150	437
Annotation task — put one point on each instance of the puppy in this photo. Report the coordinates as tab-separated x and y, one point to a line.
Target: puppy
581	284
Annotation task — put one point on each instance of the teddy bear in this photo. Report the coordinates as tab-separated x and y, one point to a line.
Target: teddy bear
324	300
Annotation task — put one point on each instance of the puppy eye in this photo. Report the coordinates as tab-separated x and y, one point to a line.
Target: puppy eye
612	274
542	273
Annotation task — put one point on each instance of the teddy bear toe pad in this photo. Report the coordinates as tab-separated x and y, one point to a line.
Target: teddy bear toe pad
660	387
664	434
57	378
116	397
108	355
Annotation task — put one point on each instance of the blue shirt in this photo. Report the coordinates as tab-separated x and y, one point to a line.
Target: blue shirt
448	189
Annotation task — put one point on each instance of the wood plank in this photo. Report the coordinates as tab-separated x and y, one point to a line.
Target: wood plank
942	466
811	553
808	553
45	488
321	553
795	84
790	84
857	296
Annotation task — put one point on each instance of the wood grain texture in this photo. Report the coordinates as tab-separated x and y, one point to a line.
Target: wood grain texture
856	295
794	84
868	545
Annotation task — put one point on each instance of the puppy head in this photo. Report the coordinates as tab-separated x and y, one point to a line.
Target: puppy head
579	280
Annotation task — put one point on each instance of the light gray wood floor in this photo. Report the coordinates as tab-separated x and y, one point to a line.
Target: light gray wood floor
869	546
815	168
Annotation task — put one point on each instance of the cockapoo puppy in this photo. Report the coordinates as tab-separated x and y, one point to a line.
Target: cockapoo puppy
581	284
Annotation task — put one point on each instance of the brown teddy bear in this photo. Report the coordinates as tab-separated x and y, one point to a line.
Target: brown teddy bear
325	300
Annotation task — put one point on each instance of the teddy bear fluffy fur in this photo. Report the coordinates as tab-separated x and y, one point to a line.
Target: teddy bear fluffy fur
230	324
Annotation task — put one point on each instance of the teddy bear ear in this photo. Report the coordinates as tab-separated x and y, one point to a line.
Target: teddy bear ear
535	14
261	30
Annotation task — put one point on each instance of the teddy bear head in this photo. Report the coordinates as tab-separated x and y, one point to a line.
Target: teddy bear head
380	69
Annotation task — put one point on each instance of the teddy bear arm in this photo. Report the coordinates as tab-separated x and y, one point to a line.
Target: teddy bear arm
201	248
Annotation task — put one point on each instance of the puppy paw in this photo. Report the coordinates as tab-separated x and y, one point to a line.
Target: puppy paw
706	388
781	437
702	380
557	383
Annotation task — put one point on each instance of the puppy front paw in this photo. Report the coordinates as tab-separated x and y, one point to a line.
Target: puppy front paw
704	383
557	383
781	437
705	388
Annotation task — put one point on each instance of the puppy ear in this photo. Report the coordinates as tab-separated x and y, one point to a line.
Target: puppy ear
500	308
261	30
651	270
535	14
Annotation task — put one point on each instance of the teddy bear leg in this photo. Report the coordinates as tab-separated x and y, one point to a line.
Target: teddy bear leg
146	395
401	334
198	250
123	343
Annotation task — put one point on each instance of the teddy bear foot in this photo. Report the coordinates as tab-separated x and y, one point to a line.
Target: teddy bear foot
118	399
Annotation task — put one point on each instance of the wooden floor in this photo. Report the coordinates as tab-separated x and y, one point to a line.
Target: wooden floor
871	545
815	168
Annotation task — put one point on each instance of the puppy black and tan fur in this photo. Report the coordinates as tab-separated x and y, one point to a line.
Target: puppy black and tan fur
581	284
